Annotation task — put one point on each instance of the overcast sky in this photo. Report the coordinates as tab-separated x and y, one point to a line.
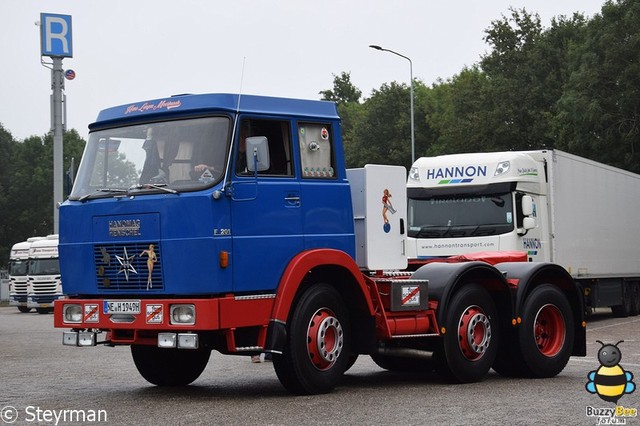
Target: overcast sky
132	50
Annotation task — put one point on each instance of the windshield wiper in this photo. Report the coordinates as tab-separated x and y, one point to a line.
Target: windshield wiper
112	190
160	186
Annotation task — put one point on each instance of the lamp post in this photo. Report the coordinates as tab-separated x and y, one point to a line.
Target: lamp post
413	141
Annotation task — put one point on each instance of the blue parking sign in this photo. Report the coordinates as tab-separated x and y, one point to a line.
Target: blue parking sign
55	35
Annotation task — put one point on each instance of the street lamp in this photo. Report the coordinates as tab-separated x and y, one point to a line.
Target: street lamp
413	141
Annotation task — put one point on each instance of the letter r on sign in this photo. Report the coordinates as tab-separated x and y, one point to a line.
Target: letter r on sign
55	35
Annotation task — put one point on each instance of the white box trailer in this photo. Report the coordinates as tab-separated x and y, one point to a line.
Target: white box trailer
555	206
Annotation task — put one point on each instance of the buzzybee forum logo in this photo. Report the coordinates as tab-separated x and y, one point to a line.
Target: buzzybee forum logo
610	382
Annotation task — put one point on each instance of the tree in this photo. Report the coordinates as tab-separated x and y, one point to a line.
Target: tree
599	111
26	185
343	91
382	135
347	98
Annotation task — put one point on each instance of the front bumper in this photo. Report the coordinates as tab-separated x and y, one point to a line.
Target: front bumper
153	324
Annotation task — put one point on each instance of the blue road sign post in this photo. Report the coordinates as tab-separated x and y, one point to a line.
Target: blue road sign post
56	42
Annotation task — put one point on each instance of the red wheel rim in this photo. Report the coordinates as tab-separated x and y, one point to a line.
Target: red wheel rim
474	333
549	330
325	339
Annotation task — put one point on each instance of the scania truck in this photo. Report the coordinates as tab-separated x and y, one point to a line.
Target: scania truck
18	278
229	222
552	205
45	284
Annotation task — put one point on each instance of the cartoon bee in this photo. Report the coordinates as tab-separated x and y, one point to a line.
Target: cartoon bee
610	381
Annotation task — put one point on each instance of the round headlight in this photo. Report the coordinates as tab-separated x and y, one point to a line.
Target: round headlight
183	314
72	313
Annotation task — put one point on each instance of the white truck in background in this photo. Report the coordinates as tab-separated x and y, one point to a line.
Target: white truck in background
554	206
18	274
45	284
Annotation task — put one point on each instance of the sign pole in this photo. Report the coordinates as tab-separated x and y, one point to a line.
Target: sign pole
56	42
57	86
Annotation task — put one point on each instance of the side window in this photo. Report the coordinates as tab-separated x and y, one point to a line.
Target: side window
278	135
316	157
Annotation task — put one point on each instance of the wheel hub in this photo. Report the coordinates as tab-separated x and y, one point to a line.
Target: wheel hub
474	333
549	330
325	339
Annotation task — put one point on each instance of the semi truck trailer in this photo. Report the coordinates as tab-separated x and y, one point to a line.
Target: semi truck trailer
554	206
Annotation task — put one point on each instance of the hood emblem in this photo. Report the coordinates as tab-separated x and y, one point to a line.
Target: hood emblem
126	265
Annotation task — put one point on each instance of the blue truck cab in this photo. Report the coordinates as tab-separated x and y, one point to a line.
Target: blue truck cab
167	187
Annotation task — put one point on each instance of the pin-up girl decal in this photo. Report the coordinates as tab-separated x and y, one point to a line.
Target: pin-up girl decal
387	206
151	259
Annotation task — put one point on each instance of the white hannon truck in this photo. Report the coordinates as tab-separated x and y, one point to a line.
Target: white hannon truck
45	284
554	206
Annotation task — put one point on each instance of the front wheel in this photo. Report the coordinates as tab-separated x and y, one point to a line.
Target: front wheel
169	367
470	343
546	334
318	349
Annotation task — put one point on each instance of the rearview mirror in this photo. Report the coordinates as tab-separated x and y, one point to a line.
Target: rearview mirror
257	153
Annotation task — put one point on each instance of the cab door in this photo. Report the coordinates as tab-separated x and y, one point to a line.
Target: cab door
266	210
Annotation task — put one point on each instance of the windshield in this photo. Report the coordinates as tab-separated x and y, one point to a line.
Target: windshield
18	267
171	156
44	267
454	216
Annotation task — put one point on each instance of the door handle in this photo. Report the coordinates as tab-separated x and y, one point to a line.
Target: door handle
292	200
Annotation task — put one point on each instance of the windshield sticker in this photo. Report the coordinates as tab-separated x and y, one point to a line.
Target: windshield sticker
509	217
206	176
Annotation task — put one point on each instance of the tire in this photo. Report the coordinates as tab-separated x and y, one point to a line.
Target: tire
469	347
625	309
44	310
635	299
546	334
24	309
318	348
169	367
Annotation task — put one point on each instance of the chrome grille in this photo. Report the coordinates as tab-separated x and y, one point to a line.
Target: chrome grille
125	267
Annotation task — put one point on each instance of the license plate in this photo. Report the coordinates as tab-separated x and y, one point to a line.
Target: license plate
121	307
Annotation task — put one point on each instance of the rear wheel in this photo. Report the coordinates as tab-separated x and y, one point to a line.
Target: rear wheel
470	343
169	367
546	334
635	299
24	309
625	309
317	352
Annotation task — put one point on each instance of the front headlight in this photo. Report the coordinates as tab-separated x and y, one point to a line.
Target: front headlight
72	313
183	314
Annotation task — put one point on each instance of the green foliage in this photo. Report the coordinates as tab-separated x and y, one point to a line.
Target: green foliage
574	86
26	185
599	111
343	90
